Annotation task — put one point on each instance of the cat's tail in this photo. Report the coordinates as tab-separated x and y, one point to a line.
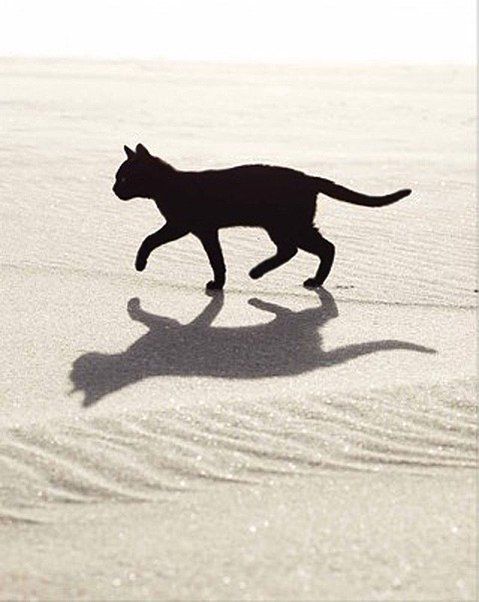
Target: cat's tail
357	198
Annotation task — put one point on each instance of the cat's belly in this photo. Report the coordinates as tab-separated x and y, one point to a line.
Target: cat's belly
257	211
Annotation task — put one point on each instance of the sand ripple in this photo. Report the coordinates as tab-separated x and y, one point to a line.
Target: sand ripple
154	455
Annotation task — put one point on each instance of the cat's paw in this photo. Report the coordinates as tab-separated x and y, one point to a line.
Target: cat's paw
312	283
140	263
256	273
212	285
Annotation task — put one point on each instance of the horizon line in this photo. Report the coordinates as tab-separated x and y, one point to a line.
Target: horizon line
237	61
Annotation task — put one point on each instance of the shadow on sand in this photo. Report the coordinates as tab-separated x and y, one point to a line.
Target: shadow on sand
290	344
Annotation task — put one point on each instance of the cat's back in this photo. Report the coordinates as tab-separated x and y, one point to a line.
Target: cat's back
256	178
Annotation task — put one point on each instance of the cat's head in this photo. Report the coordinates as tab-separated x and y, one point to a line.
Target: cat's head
140	175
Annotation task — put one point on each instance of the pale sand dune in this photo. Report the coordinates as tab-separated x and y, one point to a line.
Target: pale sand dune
271	443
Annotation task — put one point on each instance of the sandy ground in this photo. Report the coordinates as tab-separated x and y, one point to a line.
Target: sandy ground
271	442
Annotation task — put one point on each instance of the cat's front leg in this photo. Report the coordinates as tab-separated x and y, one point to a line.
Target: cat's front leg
140	261
211	244
168	233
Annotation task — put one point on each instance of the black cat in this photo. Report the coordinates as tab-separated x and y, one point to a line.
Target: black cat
278	199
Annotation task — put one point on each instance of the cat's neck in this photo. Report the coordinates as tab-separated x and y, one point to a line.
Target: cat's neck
162	175
163	165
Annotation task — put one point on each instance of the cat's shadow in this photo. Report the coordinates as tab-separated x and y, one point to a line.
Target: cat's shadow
288	345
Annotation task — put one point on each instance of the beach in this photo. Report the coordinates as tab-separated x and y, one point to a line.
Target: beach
270	442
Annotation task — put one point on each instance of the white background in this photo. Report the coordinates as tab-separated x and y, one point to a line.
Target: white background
431	31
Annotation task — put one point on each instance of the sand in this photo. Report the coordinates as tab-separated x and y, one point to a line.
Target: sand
269	443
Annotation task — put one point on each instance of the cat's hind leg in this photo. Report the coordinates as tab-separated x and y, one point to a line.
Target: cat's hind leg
286	250
310	240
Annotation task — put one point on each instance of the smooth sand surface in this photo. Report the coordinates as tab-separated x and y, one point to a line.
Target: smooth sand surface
271	442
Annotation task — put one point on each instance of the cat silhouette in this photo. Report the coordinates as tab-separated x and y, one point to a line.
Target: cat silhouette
278	199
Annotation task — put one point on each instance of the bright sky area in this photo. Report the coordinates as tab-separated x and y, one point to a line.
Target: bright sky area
431	31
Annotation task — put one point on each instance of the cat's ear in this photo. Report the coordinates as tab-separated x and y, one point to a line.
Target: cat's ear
129	153
142	151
